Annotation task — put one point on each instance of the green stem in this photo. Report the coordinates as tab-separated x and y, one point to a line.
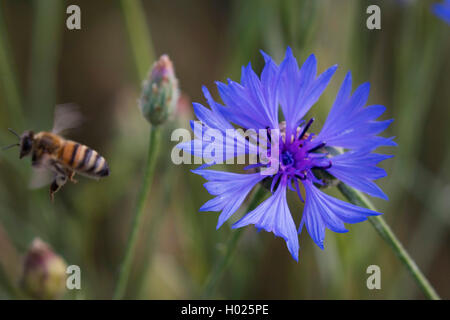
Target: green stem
139	35
138	212
152	232
9	86
386	233
231	245
143	54
48	26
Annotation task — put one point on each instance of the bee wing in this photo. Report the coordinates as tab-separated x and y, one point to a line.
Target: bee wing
67	116
40	177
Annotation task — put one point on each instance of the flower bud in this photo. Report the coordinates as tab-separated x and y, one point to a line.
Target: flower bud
159	92
44	272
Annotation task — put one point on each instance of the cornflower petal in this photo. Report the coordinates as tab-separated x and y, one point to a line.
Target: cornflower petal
273	215
442	10
351	125
323	211
230	190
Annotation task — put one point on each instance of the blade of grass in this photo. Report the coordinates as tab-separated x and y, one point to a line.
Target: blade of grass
8	80
143	55
387	234
139	35
223	262
47	30
138	213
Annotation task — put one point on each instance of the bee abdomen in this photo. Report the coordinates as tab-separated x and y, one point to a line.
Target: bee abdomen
84	159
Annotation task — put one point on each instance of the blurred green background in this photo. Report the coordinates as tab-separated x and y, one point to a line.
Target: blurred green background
100	67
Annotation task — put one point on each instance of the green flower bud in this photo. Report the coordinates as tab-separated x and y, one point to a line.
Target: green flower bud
159	92
44	272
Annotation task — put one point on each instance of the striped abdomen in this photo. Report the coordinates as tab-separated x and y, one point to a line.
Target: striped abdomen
83	159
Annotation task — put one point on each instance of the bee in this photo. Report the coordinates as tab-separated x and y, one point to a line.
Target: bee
64	158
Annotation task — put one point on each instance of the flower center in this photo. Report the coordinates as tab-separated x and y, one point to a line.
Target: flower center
287	159
300	153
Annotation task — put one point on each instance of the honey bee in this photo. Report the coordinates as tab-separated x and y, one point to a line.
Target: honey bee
65	158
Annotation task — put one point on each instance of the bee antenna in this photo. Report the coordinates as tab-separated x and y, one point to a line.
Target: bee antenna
13	132
10	146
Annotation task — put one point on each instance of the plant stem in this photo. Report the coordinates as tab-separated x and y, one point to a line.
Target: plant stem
386	233
138	212
143	55
139	35
9	86
231	245
48	26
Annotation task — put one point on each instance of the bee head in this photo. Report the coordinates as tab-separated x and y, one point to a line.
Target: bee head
26	143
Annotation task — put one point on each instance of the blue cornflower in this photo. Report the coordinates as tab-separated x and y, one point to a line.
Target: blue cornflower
442	10
254	104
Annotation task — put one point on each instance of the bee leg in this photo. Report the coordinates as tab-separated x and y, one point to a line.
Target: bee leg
57	183
64	172
71	174
53	188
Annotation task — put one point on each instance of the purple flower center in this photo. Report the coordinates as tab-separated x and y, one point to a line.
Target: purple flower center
287	159
299	154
